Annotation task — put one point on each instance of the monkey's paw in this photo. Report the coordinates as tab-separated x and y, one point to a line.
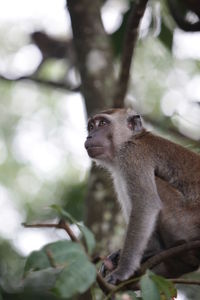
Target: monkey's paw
117	276
110	263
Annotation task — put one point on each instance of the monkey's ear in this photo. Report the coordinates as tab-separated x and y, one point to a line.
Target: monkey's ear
135	123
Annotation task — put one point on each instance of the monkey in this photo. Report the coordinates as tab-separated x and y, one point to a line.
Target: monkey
157	183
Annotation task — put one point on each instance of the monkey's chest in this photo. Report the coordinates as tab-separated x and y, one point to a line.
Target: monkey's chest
122	195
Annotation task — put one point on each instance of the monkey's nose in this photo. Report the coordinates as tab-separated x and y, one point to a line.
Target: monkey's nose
87	142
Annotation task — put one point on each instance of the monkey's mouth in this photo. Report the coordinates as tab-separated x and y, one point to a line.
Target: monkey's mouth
95	151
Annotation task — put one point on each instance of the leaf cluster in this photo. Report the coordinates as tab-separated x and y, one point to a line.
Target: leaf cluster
66	268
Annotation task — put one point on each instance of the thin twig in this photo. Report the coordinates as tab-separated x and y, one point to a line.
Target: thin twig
48	83
137	11
104	286
61	225
122	285
184	281
40	225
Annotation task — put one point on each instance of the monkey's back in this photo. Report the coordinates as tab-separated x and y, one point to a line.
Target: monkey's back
174	164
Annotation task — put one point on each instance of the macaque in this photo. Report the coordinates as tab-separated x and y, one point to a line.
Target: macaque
157	183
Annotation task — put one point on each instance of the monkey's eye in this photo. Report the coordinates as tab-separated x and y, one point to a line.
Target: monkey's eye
102	123
90	126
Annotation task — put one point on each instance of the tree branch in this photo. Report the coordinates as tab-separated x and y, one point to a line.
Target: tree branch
93	52
104	286
171	252
133	283
48	83
137	11
61	225
185	281
108	289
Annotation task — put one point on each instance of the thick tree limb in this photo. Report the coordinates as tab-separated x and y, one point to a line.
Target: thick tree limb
137	11
133	283
93	52
172	252
95	65
47	83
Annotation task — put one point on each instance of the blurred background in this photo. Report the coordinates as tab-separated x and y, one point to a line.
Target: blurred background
43	113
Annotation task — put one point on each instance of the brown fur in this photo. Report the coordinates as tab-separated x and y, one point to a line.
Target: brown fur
160	183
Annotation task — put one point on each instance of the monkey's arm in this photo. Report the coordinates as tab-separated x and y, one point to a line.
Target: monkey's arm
146	205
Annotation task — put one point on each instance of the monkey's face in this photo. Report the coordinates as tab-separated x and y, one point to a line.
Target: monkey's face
99	143
108	131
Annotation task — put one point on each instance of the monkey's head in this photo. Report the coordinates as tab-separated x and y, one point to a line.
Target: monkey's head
109	130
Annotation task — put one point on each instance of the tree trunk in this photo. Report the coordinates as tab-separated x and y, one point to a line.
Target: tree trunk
94	54
95	61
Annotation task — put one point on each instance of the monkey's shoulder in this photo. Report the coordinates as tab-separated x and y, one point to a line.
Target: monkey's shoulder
154	150
156	144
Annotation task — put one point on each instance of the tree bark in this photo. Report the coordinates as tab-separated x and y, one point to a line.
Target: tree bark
129	44
95	62
94	54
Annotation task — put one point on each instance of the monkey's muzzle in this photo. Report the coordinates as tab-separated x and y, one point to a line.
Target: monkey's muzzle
94	151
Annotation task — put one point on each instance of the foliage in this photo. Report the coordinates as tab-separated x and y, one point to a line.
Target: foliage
72	272
64	269
155	287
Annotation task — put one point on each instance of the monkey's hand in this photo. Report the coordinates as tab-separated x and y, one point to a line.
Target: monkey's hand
110	263
118	276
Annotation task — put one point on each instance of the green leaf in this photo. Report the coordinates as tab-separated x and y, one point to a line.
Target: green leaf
76	277
37	260
41	281
61	252
149	289
72	272
88	237
166	287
